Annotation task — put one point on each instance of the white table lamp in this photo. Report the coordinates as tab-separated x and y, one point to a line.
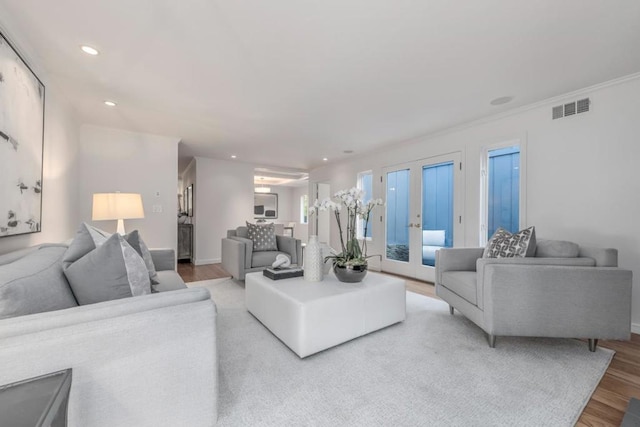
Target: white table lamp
119	206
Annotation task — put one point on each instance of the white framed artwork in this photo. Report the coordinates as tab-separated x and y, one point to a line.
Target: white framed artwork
21	144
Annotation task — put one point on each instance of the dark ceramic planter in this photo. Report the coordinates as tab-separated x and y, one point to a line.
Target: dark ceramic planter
350	273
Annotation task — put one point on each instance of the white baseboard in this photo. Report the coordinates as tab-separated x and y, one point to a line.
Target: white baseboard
635	328
207	261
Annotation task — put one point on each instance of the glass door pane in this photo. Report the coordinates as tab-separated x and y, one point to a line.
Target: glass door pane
397	226
437	210
503	204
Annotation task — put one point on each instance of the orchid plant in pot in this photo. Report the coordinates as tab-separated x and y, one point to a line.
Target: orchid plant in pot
350	265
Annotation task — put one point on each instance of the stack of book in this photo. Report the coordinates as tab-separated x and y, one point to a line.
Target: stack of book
282	273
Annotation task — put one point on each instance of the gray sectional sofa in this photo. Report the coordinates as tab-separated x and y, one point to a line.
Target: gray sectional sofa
145	361
564	291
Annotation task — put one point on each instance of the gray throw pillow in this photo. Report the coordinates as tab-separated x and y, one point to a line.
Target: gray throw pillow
556	249
138	244
87	238
34	283
263	236
503	244
114	270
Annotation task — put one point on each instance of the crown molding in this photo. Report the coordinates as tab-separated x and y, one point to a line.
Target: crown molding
524	108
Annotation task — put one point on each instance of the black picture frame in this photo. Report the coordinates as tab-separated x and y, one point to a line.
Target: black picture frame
265	205
22	108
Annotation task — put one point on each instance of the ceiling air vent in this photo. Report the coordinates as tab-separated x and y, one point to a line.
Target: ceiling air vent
570	109
583	105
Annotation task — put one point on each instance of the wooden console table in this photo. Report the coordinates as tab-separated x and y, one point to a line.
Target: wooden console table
185	242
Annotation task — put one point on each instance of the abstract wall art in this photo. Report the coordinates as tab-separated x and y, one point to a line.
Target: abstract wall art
21	144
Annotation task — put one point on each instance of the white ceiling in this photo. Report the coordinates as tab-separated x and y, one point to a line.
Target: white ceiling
280	177
288	82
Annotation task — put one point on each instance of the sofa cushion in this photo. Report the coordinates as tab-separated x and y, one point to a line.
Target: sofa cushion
16	255
113	270
242	231
169	280
87	238
136	242
264	258
462	283
35	284
263	236
504	244
556	249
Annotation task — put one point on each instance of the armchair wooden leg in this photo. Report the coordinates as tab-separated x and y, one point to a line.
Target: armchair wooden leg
450	309
492	340
593	343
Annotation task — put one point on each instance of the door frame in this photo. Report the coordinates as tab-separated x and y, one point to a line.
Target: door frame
414	267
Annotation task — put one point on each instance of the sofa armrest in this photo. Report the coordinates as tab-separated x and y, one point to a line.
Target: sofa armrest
290	246
234	257
456	259
557	300
248	249
163	259
149	360
607	257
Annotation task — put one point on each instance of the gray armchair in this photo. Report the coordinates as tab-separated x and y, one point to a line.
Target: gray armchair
239	258
565	291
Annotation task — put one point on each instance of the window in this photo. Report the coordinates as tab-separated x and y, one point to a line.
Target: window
304	209
502	189
365	183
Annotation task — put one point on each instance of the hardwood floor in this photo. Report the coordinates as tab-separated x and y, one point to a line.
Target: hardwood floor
191	273
609	401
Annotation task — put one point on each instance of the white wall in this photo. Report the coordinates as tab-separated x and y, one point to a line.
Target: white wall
583	178
223	201
116	160
300	231
285	200
60	162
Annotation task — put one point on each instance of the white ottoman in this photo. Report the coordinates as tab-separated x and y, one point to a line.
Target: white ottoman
312	316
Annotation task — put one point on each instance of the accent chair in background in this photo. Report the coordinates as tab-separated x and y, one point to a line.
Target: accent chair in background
241	254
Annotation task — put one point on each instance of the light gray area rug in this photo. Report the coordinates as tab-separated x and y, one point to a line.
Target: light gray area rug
434	369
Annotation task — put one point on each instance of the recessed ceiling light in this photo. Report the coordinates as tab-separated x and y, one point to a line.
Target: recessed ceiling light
502	100
89	50
110	103
233	156
324	159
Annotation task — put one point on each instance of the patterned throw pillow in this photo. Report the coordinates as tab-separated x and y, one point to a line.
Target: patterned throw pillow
503	244
263	236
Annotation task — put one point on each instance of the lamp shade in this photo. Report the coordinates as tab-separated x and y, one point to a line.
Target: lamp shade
117	206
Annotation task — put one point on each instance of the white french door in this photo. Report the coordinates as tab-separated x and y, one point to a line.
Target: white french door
423	213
